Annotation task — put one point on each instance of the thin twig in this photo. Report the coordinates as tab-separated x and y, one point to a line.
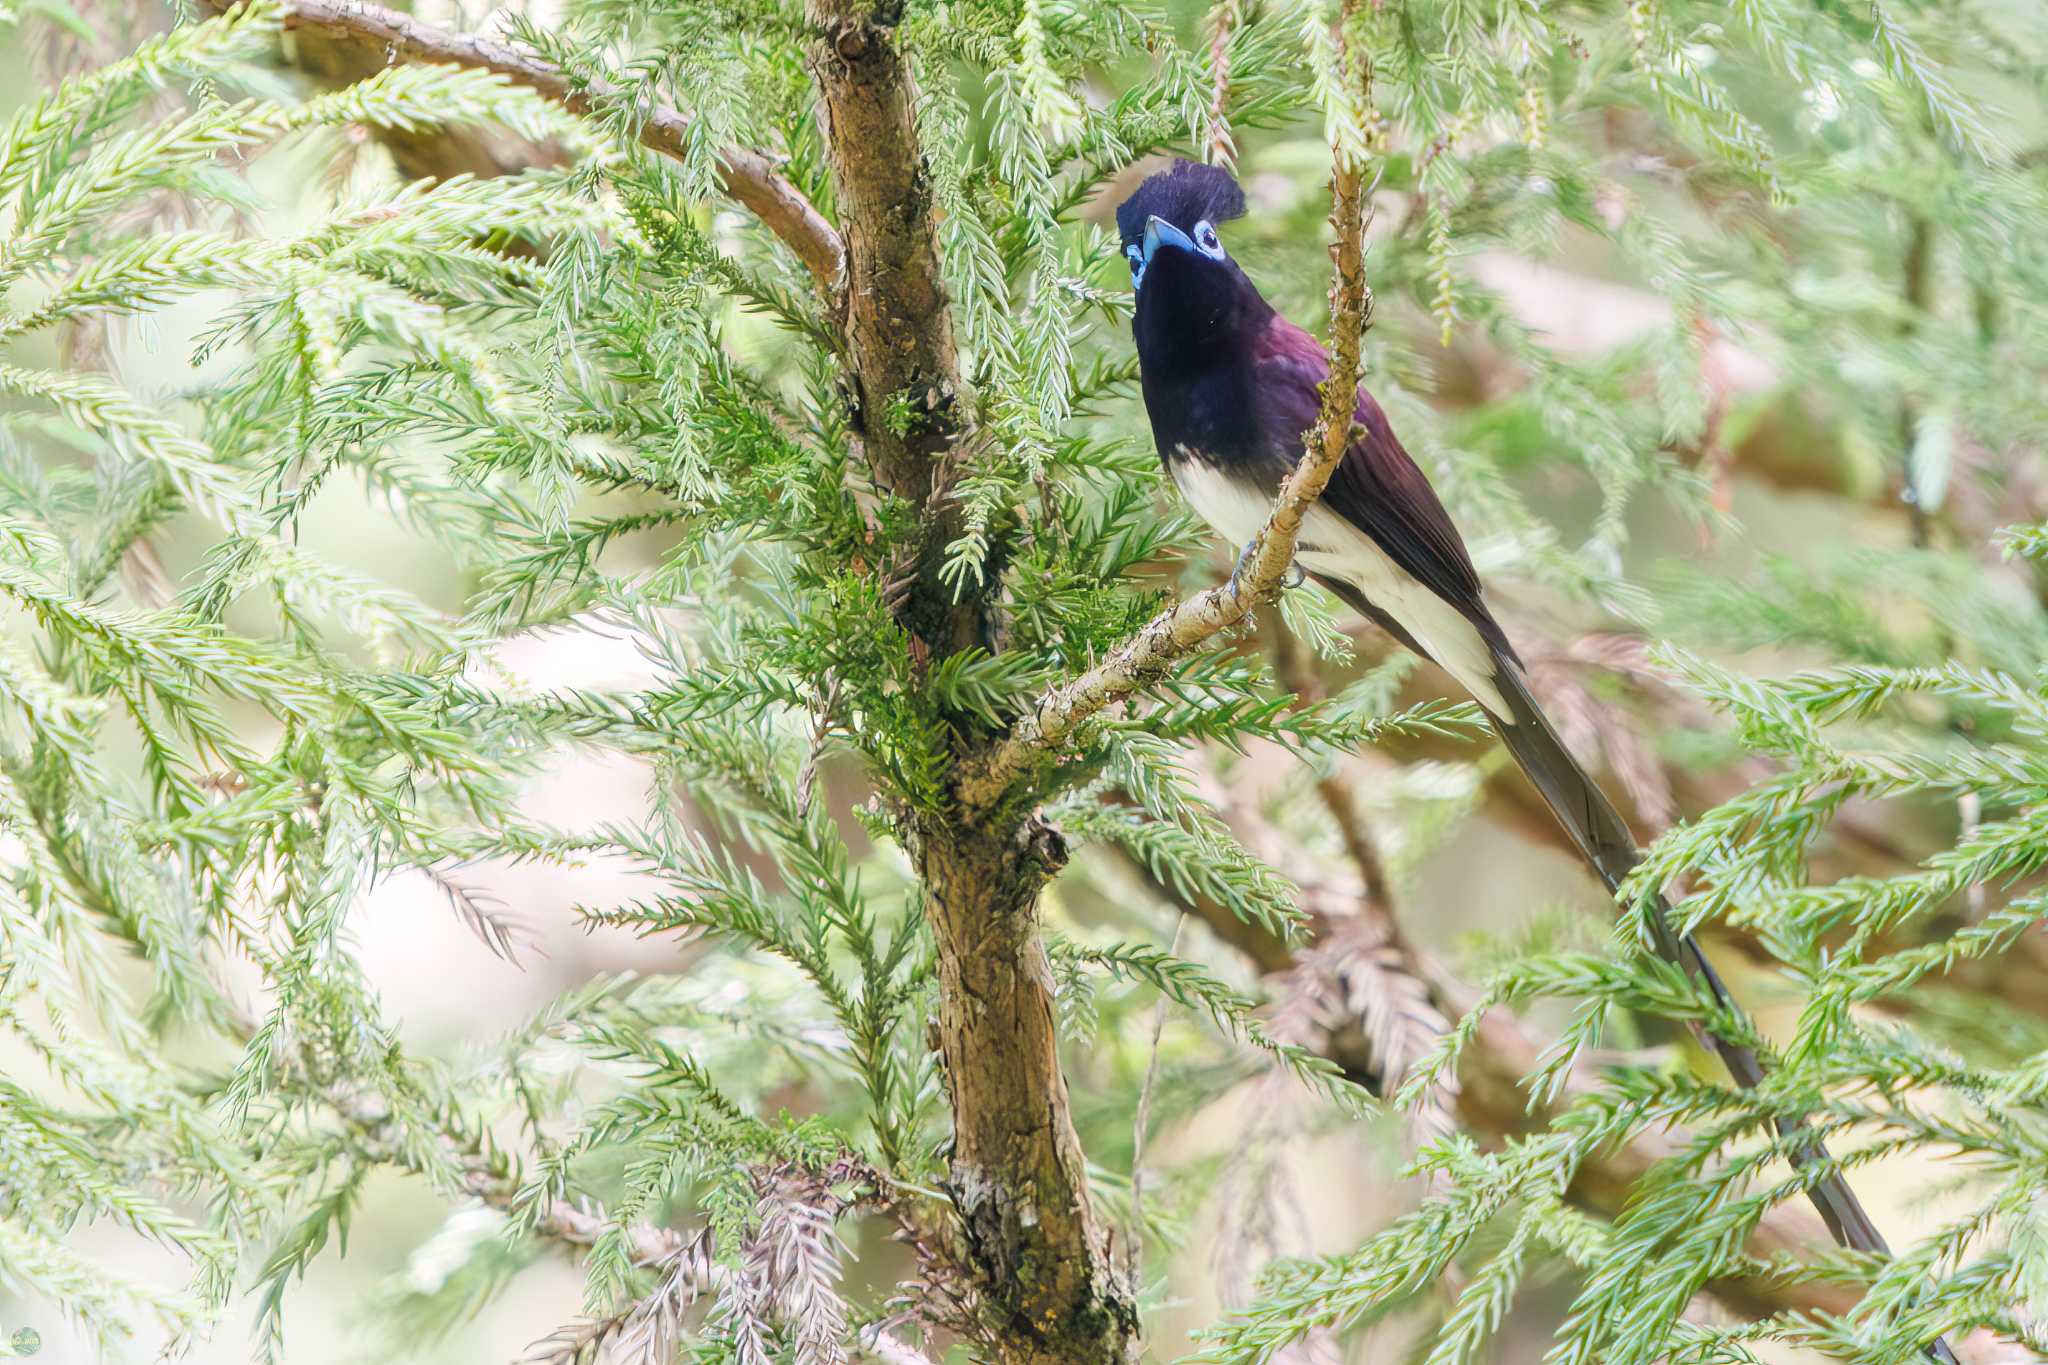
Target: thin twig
1134	1235
1919	249
1296	672
1224	21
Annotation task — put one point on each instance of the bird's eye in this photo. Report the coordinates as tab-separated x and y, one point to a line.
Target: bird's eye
1207	242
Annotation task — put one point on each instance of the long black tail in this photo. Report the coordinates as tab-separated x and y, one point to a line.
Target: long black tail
1603	838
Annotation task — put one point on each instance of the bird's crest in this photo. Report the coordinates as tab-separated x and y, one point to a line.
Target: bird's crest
1184	194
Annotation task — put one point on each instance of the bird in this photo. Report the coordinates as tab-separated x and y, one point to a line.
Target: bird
1232	389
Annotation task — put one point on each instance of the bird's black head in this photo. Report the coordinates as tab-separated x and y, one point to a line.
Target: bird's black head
1191	295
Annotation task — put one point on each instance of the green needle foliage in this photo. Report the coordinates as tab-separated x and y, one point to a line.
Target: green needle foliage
598	397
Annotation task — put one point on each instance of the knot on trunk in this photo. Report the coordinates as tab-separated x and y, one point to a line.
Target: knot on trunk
851	41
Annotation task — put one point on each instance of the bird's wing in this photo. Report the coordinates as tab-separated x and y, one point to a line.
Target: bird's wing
1378	488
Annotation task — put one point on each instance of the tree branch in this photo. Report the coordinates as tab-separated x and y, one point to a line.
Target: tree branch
1018	1176
748	176
1181	629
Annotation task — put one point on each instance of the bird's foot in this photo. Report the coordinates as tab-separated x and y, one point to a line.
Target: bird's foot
1294	577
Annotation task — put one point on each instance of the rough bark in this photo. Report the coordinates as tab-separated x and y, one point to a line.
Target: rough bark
1018	1177
905	382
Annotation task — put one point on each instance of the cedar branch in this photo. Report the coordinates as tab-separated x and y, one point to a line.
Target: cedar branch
748	176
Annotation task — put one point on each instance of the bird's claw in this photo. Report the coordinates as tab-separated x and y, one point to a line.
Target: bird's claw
1294	577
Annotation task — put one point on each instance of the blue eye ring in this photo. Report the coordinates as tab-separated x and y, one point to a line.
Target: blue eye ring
1206	241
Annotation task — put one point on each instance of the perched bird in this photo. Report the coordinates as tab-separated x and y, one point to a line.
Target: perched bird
1232	391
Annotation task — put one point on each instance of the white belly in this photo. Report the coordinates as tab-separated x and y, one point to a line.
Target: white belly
1333	547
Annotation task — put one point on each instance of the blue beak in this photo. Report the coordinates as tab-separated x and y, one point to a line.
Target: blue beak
1158	232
